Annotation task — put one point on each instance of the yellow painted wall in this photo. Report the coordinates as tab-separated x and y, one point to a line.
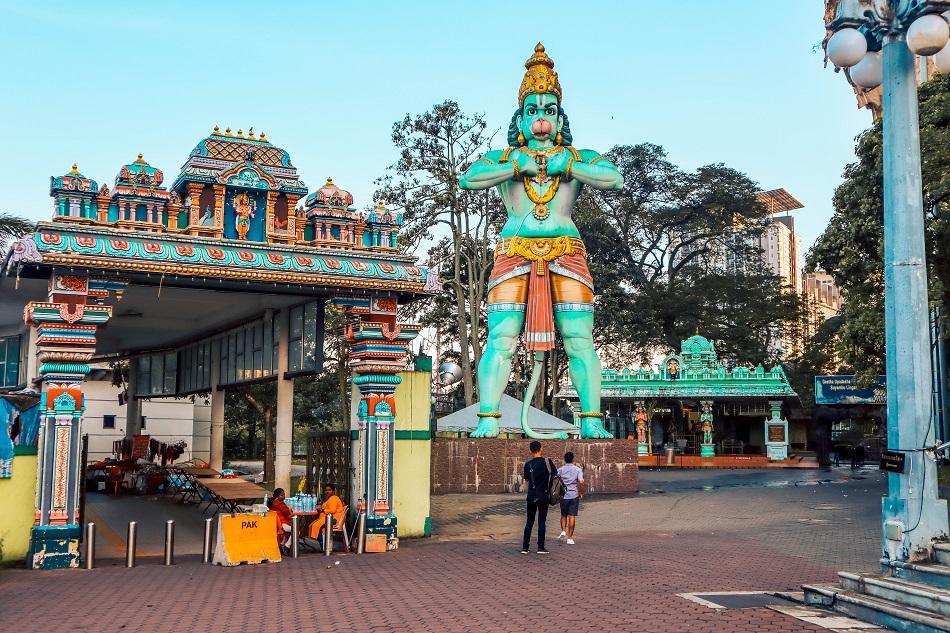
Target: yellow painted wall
411	457
17	497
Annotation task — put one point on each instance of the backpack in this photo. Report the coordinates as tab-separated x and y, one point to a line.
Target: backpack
556	489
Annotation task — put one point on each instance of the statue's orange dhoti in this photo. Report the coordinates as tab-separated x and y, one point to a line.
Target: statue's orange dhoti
534	274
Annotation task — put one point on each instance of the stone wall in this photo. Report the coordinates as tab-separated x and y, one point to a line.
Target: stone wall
491	466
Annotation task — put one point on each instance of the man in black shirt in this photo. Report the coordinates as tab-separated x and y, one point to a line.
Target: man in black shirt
538	474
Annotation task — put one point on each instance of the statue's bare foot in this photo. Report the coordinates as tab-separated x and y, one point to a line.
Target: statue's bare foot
487	427
593	429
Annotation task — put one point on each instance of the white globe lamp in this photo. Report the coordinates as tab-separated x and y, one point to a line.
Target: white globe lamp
847	47
942	60
928	34
869	72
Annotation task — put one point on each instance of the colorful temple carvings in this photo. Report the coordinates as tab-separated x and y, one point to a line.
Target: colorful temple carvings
233	186
229	221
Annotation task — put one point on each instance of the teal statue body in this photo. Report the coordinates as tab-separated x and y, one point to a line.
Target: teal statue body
540	281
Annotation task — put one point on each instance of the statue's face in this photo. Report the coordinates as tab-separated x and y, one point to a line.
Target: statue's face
539	119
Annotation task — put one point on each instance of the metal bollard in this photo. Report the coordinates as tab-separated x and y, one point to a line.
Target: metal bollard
328	535
169	542
361	533
130	544
295	536
90	555
206	550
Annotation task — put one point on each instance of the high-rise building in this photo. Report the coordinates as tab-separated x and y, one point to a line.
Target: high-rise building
822	300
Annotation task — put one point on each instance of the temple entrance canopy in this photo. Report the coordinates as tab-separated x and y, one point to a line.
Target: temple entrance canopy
693	402
216	281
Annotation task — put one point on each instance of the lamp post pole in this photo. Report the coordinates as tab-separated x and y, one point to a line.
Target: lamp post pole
913	515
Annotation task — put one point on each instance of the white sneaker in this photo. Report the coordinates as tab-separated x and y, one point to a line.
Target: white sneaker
561	536
570	541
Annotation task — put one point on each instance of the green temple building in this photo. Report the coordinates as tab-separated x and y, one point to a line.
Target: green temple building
693	403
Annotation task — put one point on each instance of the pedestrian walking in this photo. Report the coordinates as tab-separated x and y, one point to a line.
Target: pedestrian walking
572	476
538	473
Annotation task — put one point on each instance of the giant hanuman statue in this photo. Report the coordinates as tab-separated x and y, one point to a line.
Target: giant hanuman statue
540	281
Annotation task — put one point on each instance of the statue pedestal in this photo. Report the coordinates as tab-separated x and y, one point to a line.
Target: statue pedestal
707	450
642	449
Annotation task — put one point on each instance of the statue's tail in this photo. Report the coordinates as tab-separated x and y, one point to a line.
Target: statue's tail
529	396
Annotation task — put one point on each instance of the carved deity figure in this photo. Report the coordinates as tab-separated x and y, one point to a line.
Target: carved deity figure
243	212
641	419
540	281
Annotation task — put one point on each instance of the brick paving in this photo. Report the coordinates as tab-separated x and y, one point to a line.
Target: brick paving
633	556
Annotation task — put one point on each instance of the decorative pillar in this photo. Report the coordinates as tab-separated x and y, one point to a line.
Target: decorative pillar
174	208
776	433
219	208
269	213
216	450
194	210
706	449
379	347
284	436
641	419
66	328
133	406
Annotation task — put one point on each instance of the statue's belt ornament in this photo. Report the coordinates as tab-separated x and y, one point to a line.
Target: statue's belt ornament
518	256
540	249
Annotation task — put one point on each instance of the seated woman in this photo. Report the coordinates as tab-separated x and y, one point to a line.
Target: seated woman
332	506
276	504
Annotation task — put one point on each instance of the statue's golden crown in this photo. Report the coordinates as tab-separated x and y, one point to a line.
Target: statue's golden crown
540	77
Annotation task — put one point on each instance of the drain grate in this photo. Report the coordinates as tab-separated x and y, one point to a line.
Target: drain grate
737	599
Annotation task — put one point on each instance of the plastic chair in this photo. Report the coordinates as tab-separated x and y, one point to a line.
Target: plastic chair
340	529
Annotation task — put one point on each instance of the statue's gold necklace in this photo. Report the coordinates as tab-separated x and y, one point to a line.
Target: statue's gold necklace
541	201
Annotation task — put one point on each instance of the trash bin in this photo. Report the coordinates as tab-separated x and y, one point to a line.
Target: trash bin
670	452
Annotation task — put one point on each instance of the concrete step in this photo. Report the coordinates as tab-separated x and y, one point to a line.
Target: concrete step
933	574
924	597
942	553
885	613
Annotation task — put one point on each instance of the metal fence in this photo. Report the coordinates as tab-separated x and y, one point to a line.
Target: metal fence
328	461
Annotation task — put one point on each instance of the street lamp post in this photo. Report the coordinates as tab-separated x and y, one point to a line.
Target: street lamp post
877	40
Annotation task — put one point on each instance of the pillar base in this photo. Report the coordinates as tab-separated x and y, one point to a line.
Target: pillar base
54	546
382	524
911	528
707	450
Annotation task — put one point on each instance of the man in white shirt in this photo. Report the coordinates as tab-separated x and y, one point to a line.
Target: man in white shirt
573	479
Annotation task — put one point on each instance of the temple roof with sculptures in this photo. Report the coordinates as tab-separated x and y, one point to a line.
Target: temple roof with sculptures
231	213
694	372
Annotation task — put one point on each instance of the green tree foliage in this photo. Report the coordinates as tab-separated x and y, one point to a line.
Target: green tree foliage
852	246
459	226
12	227
676	252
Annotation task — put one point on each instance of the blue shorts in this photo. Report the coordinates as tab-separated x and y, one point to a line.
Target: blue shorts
569	506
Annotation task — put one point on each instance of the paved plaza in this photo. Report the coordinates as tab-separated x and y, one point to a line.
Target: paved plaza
689	531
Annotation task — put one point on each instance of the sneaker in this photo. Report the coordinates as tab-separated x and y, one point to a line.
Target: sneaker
561	536
524	551
543	551
570	541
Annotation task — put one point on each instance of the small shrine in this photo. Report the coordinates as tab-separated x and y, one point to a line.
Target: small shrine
216	280
692	402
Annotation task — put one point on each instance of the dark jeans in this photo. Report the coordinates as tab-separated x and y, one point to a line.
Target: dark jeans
541	508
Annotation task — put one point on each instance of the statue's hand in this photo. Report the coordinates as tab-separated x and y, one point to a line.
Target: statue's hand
526	164
557	164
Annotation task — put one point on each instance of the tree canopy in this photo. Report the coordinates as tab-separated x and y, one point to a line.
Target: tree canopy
674	252
851	248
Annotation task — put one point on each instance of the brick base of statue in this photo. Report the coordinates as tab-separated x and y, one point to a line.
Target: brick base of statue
492	466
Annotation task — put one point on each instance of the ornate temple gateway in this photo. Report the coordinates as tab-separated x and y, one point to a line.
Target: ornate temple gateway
213	281
692	402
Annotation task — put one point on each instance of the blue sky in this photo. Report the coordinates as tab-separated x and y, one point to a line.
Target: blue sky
731	81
